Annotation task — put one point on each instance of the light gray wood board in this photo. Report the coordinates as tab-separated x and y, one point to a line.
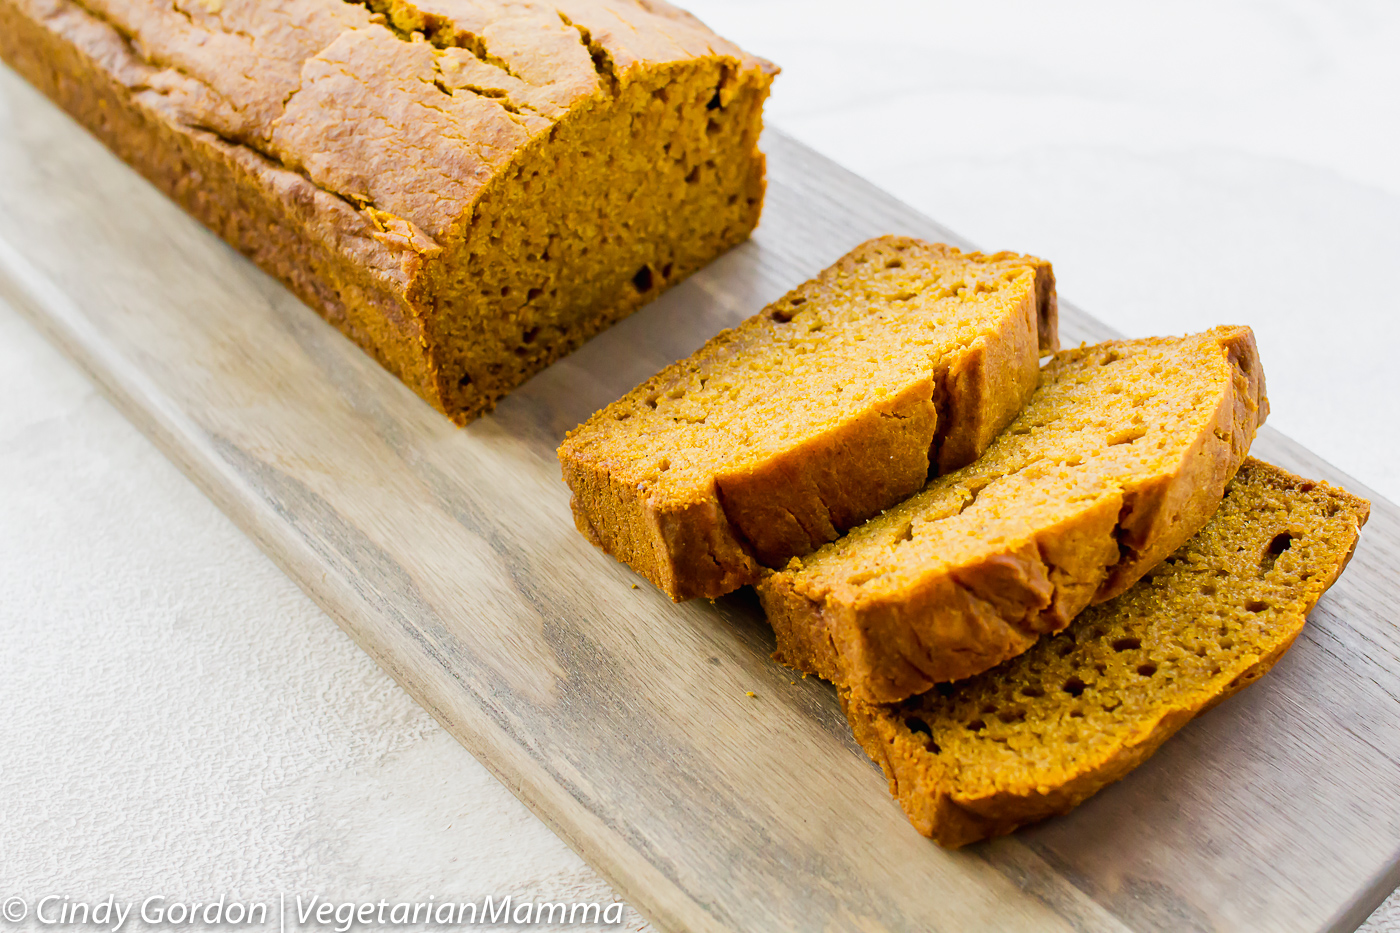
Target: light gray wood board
621	719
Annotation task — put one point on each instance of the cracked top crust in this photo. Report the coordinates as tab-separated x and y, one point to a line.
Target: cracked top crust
361	97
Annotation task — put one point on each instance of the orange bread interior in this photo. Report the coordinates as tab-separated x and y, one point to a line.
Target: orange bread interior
831	404
1122	454
1040	733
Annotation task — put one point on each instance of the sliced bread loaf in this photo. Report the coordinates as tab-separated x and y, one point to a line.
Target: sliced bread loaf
1122	455
829	405
469	189
1041	733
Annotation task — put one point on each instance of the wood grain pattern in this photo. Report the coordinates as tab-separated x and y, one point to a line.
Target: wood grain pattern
622	720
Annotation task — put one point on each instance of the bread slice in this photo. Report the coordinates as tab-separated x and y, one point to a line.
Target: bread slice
1122	455
1041	733
829	405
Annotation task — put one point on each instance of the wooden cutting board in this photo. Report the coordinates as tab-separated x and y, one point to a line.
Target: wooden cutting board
621	719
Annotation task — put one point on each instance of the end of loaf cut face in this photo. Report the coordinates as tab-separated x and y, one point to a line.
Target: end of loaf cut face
1039	734
469	190
637	175
834	402
1121	455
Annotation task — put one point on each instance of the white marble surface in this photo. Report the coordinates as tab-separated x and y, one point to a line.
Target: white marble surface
179	718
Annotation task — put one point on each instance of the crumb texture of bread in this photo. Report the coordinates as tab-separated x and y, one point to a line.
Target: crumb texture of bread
1121	455
469	189
1039	734
836	401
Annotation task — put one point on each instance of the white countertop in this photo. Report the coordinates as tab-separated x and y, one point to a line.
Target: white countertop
180	719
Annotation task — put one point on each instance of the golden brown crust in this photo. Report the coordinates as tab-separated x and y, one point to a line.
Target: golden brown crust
320	247
975	568
438	179
824	408
984	756
1150	525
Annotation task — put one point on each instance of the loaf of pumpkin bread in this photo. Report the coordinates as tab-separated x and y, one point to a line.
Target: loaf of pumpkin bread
1039	734
832	403
467	188
1121	455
